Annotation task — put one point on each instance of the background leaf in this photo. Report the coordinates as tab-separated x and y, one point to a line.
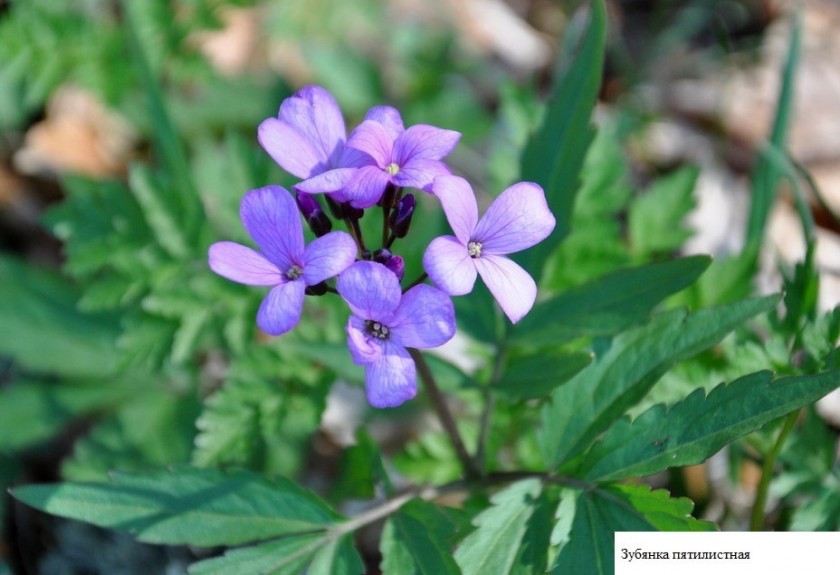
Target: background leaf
696	428
585	406
186	506
554	155
600	512
417	540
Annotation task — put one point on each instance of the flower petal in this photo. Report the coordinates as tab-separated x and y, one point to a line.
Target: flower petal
374	139
363	348
328	256
366	186
388	117
517	219
424	142
425	318
314	113
458	202
419	173
243	265
392	379
280	310
370	289
449	265
511	286
289	148
329	182
271	216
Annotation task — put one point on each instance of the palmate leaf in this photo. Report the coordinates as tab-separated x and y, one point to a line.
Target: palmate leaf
314	554
608	304
587	405
417	540
554	155
512	536
694	429
186	506
600	512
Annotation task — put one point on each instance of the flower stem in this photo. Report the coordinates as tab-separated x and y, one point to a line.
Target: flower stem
757	517
487	396
443	413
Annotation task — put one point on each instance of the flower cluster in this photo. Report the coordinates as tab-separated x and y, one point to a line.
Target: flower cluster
373	167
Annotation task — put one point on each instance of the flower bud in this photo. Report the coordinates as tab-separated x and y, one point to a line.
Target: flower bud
318	221
394	263
401	217
317	289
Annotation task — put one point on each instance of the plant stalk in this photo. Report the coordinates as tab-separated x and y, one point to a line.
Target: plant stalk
757	517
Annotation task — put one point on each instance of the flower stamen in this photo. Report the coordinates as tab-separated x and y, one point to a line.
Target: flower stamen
294	272
392	169
474	249
377	330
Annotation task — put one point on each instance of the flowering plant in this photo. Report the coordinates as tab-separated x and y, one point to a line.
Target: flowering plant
269	414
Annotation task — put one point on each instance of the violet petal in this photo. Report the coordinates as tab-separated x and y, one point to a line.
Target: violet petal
328	256
392	379
370	289
372	138
366	187
511	286
449	265
458	202
329	182
363	348
389	117
516	220
314	113
425	318
271	216
243	265
280	310
289	148
424	142
420	173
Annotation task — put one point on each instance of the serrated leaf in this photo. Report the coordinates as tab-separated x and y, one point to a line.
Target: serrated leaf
655	219
314	554
32	412
600	512
360	470
696	428
162	217
609	304
41	329
186	506
554	155
417	541
512	536
585	406
535	376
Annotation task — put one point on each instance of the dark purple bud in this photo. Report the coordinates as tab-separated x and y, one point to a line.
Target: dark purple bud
388	196
366	255
390	261
401	217
318	221
397	265
317	289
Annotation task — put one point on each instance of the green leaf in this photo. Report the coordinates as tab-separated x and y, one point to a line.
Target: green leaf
609	304
512	536
765	178
186	506
535	376
314	554
600	512
360	470
656	218
41	329
155	429
588	404
554	155
32	412
154	197
696	428
417	541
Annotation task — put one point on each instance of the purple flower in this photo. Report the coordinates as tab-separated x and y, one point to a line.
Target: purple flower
408	158
384	322
517	219
271	217
307	140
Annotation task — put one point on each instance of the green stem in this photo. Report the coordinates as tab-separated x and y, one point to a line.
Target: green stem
757	517
443	413
417	282
486	415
